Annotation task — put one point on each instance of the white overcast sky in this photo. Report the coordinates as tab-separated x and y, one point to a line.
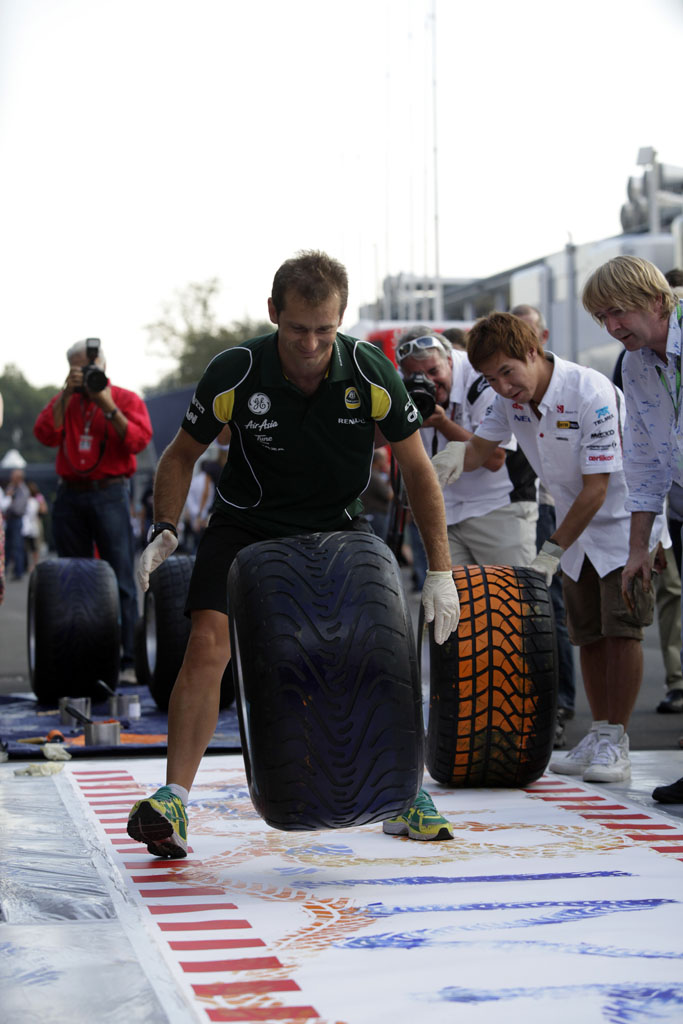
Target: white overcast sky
147	144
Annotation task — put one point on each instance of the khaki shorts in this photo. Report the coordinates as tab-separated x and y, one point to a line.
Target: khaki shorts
596	608
506	536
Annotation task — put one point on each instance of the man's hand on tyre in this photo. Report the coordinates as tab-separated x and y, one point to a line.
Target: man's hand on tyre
547	561
154	554
441	604
450	462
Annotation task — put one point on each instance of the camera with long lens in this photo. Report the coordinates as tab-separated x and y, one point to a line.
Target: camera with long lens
422	390
94	377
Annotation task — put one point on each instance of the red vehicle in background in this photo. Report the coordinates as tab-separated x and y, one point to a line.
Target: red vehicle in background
385	333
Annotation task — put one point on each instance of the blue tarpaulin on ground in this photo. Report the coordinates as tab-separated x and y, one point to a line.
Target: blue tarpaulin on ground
22	718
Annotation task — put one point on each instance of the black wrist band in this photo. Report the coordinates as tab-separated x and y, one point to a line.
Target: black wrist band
158	528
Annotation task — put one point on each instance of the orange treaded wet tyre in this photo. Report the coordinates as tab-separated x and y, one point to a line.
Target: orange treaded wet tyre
493	687
328	689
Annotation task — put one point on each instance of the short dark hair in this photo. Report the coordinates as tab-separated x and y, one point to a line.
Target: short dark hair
675	277
314	276
524	309
501	332
456	336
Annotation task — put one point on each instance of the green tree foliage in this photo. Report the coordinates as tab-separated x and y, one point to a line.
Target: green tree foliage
22	403
188	332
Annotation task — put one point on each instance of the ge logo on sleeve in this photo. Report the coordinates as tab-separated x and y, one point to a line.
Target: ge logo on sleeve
259	404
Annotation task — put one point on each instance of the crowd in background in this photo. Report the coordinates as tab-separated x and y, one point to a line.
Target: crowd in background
499	514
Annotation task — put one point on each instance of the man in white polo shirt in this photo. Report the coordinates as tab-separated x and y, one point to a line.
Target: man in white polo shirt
568	421
492	513
546	526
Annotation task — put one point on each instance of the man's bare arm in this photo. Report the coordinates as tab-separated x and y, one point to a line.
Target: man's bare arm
638	563
426	499
452	431
583	508
174	475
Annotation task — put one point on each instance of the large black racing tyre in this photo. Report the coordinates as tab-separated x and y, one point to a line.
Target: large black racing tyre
74	634
326	674
167	629
493	686
142	672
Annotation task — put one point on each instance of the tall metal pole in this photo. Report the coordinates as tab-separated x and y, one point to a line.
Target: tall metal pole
438	290
654	219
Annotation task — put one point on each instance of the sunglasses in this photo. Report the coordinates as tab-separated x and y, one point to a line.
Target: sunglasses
407	348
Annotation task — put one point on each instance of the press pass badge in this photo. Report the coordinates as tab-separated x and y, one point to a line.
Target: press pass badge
85	442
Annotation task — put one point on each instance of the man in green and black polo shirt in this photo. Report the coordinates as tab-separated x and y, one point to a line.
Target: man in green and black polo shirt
302	406
298	460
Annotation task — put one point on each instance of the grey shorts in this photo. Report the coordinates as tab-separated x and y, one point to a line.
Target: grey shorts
596	608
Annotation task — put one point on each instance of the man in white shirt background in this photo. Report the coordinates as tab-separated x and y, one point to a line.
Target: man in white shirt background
633	300
491	514
568	420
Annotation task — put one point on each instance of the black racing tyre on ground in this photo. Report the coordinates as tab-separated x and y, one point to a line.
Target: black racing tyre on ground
140	653
493	686
74	634
166	630
326	674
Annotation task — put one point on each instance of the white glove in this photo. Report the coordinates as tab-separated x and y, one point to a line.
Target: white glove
450	462
441	604
547	561
154	554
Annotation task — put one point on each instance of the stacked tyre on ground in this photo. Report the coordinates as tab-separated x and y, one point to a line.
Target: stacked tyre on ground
74	632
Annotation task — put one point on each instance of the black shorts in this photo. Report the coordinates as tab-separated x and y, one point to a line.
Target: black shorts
220	544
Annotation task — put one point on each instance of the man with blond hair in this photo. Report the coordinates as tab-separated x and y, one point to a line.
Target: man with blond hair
632	298
568	421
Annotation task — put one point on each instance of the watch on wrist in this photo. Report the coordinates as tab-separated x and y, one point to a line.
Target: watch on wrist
157	528
110	415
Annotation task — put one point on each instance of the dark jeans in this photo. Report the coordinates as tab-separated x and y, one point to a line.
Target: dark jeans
14	546
81	520
545	527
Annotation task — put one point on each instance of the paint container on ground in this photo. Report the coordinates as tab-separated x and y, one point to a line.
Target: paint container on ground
82	704
97	734
125	705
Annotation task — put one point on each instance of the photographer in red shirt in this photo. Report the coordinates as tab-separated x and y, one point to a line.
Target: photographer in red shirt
98	429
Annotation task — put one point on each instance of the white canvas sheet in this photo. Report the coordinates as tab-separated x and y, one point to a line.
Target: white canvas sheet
555	904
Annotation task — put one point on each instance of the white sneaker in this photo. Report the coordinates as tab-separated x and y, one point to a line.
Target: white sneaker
610	762
577	760
127	677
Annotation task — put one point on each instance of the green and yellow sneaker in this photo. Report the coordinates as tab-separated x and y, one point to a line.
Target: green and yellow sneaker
160	822
421	821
